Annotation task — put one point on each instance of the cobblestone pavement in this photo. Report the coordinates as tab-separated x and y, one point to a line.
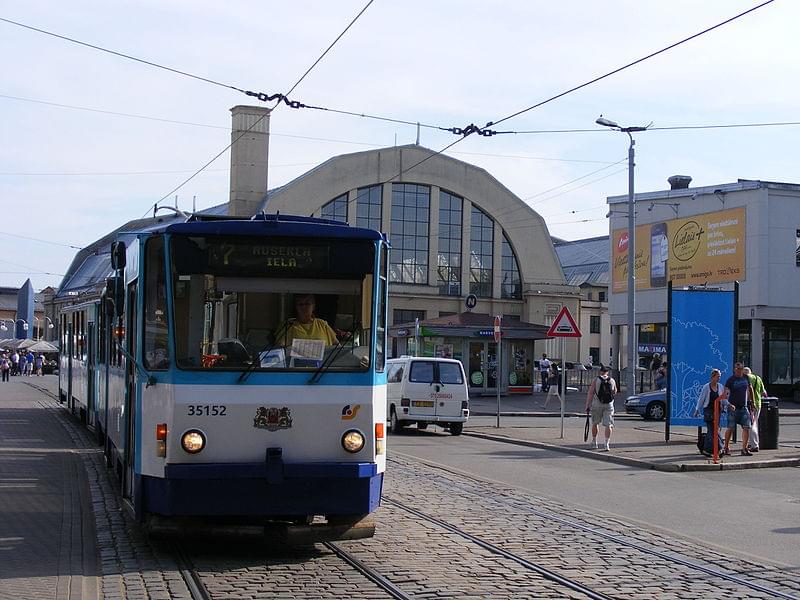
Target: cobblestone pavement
419	557
427	561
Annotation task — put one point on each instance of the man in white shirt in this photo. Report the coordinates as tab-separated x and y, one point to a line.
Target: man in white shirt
544	369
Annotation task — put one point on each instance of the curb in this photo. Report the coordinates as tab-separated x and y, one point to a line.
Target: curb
641	464
524	414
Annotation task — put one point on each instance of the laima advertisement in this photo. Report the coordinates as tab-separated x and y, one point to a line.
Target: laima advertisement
707	248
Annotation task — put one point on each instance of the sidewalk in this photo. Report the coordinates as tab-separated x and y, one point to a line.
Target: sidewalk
46	522
635	442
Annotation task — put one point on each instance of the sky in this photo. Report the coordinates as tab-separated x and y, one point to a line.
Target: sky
92	140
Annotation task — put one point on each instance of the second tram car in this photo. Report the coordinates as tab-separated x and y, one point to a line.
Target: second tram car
215	401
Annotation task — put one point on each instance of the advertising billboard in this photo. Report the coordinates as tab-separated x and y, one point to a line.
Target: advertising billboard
702	337
707	248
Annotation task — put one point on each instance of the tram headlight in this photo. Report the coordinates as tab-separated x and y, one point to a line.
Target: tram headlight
193	441
353	441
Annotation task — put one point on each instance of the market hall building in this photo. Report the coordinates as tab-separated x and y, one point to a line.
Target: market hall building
455	231
747	231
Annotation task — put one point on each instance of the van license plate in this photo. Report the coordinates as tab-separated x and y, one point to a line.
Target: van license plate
423	403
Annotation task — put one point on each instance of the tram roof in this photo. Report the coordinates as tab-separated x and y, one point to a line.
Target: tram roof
91	265
266	224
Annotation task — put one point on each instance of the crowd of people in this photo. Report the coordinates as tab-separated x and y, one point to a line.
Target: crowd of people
21	363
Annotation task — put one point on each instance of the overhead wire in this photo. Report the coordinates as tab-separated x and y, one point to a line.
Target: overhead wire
24	237
628	65
261	118
455	130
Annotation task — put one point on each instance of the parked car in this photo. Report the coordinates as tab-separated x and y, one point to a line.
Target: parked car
650	405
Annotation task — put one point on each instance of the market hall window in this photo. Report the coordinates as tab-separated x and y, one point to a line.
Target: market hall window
594	323
401	316
368	207
409	233
481	244
511	283
336	209
448	267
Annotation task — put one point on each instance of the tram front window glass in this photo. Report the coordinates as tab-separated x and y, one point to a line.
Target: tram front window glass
156	352
272	305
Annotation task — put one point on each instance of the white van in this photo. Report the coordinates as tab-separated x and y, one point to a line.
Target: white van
426	390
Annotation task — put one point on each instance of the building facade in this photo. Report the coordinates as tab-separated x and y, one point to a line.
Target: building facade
455	231
586	264
748	231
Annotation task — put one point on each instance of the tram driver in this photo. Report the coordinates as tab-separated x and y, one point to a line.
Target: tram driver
305	326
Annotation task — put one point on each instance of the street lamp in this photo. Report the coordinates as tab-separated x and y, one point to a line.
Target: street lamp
24	326
49	326
632	330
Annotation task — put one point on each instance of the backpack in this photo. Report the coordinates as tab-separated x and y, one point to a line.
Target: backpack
605	393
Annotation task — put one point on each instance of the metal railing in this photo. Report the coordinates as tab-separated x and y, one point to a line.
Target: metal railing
582	378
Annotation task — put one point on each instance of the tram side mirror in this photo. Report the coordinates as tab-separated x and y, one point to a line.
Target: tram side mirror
108	296
115	297
118	255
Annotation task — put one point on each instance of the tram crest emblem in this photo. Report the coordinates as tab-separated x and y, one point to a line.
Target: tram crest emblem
272	418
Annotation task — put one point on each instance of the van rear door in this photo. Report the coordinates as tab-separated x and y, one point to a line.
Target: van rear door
419	387
449	391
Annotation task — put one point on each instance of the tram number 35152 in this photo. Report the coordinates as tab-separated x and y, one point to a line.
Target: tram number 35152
207	410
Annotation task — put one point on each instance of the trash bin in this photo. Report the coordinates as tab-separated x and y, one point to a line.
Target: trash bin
768	424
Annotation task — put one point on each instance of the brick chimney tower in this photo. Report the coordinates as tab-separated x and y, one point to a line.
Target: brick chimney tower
249	159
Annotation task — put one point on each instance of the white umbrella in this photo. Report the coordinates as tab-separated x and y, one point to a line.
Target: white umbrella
39	346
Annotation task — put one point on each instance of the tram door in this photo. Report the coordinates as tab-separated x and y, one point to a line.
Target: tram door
482	367
91	369
130	392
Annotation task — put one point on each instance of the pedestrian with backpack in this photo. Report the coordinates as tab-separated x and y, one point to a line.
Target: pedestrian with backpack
600	403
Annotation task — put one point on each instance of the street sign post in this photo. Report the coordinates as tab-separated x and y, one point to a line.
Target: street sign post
563	327
498	372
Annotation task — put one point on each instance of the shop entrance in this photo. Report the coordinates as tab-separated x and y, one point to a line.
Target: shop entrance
482	367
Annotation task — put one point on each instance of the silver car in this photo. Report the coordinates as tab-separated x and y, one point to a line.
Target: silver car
650	405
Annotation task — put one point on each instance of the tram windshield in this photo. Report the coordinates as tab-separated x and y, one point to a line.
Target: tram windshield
272	304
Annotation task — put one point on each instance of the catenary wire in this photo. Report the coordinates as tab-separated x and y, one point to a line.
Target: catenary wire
473	129
627	66
520	222
569	182
455	130
261	118
23	237
522	132
332	44
122	55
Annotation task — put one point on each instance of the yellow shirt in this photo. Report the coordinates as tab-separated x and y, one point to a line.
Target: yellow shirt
318	329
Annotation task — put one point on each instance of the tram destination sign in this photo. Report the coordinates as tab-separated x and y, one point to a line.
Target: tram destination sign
269	257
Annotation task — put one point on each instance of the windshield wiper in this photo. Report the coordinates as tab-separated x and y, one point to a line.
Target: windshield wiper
268	348
335	351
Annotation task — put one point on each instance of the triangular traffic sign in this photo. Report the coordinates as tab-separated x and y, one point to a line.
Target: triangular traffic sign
564	325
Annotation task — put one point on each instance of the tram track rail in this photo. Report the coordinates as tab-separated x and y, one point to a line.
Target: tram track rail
548	574
188	573
368	572
670	557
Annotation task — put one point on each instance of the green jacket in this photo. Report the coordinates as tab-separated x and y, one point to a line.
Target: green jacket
758	389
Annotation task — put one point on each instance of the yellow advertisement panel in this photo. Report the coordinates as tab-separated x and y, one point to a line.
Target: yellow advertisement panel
707	248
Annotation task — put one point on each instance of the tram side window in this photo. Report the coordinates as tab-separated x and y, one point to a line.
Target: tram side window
75	346
380	325
156	351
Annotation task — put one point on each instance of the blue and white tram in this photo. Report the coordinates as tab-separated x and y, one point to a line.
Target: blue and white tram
209	408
